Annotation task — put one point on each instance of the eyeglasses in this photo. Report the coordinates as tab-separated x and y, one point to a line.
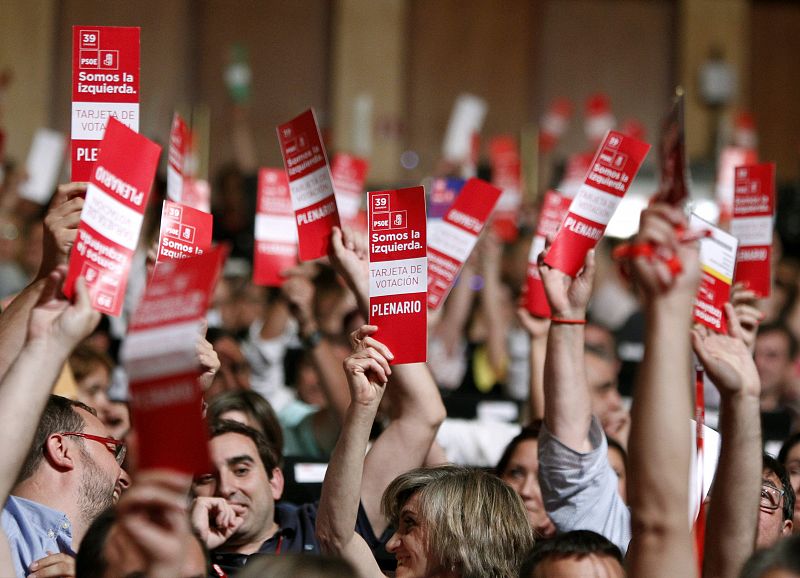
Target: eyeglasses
770	497
116	447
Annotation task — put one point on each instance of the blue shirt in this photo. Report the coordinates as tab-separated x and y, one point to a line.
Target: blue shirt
33	530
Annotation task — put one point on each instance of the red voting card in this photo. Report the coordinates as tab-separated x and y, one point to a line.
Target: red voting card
276	233
717	262
506	174
753	219
105	84
554	208
349	174
310	183
554	123
111	219
160	358
673	185
179	143
730	158
398	272
454	237
612	171
185	232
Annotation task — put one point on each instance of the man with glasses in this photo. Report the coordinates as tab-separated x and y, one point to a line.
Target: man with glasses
71	474
776	508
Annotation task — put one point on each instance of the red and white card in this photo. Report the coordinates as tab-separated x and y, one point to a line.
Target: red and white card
730	158
276	233
160	358
185	232
752	224
112	215
717	263
506	174
452	240
349	174
610	175
105	84
310	183
554	208
179	144
398	272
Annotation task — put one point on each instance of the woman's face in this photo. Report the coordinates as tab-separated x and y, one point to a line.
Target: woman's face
93	390
522	474
409	544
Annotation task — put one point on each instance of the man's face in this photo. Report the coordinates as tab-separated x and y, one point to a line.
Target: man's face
102	480
601	376
772	360
771	525
590	565
240	478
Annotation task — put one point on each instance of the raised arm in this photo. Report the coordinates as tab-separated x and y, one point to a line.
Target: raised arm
367	371
568	406
53	330
417	408
537	329
60	231
658	483
733	512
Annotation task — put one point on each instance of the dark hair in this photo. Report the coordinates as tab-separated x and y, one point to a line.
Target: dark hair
780	327
91	561
776	467
529	432
255	405
577	544
84	360
788	445
266	452
59	415
784	555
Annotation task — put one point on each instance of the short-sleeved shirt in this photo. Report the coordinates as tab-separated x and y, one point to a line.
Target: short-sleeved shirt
32	530
580	489
295	535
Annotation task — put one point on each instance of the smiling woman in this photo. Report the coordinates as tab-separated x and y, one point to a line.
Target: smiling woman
454	521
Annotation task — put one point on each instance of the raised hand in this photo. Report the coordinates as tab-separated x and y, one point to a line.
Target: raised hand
61	226
568	297
536	327
367	368
350	257
745	303
726	358
298	289
658	227
207	358
57	321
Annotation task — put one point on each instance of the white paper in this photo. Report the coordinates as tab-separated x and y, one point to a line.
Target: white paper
466	119
43	166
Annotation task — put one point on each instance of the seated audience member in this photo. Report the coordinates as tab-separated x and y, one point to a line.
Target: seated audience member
519	468
450	521
777	504
295	565
789	456
146	534
72	473
780	561
574	554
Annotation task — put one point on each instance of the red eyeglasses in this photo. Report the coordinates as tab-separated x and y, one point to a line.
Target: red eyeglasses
116	447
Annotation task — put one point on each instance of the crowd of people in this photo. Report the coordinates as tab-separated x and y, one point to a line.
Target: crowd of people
524	447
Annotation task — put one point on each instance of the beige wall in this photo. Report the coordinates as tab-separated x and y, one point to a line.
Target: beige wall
26	47
705	24
369	61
